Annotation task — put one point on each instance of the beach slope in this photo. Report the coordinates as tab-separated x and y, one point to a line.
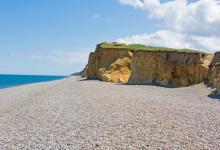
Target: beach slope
82	114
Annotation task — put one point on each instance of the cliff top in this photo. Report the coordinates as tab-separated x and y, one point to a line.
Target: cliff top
139	47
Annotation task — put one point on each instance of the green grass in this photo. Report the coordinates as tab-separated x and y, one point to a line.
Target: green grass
139	47
113	45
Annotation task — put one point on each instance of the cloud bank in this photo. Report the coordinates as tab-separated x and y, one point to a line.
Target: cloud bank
185	25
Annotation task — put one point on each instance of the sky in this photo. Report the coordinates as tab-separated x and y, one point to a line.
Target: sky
55	37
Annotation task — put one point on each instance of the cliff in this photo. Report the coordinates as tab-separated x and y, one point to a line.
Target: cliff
139	64
169	68
109	64
214	73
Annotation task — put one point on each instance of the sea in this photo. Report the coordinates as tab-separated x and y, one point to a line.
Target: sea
7	81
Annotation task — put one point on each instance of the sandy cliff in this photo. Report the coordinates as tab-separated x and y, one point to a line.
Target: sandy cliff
214	72
138	64
168	68
109	64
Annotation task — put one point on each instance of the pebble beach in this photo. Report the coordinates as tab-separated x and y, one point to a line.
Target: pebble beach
75	113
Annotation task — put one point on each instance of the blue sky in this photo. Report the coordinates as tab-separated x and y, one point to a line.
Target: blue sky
35	28
55	37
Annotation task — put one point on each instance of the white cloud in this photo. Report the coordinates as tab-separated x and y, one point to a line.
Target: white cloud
134	3
201	17
166	38
62	56
197	21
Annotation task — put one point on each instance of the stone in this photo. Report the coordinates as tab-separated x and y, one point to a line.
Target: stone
7	140
98	143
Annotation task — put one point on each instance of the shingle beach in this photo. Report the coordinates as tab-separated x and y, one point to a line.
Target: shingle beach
88	114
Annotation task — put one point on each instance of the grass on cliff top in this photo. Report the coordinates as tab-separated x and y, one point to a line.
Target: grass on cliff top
139	47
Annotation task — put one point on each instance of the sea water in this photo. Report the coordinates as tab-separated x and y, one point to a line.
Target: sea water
7	81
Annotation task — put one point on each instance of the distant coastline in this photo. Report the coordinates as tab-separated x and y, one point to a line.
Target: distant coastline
11	80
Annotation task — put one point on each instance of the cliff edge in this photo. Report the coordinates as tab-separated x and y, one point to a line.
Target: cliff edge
109	64
139	64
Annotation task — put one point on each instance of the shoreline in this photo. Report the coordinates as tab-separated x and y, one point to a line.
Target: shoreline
21	80
89	114
31	84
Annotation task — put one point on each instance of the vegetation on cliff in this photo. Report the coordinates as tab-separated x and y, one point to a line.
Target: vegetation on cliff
140	47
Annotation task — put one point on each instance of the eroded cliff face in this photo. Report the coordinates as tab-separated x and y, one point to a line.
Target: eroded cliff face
214	73
169	68
166	68
111	65
214	78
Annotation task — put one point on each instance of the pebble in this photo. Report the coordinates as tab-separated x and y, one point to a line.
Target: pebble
98	143
8	141
73	114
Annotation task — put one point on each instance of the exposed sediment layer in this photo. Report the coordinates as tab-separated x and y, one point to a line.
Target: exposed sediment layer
109	64
168	68
214	73
138	64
